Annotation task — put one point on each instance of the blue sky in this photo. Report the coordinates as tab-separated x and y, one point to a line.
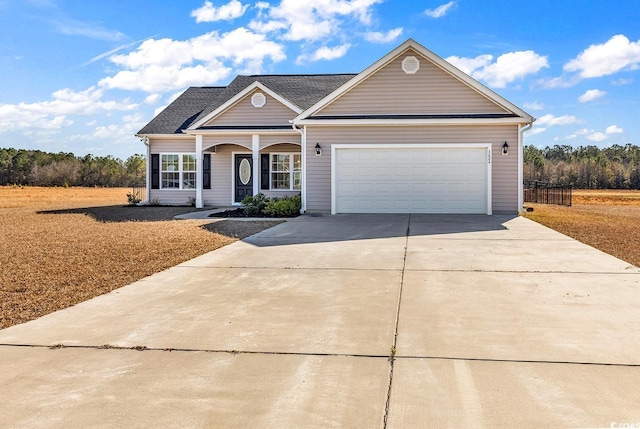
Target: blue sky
84	76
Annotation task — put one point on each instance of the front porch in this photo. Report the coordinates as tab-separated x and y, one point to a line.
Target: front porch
219	171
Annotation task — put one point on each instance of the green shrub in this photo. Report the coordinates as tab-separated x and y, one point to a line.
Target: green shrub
283	207
254	205
133	198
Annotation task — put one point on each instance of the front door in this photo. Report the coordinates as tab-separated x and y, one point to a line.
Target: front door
243	172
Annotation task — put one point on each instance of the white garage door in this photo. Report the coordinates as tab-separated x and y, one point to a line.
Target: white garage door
411	180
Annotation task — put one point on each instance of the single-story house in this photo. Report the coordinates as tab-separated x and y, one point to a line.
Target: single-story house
409	134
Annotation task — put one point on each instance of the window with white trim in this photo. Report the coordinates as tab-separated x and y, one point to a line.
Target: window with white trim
286	171
178	171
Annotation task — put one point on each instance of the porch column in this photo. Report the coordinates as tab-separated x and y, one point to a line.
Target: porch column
255	149
199	201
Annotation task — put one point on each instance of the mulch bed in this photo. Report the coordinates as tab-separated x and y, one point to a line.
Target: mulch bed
237	213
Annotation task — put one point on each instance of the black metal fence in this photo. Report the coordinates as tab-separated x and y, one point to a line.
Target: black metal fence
544	193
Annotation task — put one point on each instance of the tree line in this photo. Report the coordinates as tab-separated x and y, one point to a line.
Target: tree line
584	167
38	168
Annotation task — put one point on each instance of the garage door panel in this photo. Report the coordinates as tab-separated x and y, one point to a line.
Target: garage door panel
411	180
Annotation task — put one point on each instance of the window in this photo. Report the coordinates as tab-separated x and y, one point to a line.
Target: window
178	171
286	171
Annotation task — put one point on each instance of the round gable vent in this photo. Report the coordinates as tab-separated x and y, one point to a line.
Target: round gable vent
410	65
258	99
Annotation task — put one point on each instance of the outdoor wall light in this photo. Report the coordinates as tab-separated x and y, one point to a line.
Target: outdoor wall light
505	148
318	149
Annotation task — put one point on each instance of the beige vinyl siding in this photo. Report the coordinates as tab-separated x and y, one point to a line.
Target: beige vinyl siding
504	168
268	140
209	141
430	91
244	113
284	147
173	146
171	196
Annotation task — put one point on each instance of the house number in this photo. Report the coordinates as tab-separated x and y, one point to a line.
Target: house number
245	171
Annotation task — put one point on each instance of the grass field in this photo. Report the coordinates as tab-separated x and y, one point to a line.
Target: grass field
61	246
608	220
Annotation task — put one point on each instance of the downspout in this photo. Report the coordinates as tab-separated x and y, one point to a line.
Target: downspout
303	152
145	140
521	130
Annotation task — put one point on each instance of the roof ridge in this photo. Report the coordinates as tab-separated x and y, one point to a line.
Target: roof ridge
298	74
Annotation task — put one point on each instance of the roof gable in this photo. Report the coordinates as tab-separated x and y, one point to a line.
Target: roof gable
300	90
241	101
436	88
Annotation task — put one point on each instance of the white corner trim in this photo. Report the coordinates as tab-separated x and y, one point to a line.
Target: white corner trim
199	173
487	146
333	174
520	168
255	156
239	97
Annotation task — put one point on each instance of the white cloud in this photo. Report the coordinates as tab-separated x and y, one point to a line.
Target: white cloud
53	114
616	54
557	82
544	122
614	129
151	98
312	20
582	132
621	82
227	12
168	65
92	30
506	68
440	11
535	130
597	137
468	65
325	53
590	95
551	120
534	105
378	37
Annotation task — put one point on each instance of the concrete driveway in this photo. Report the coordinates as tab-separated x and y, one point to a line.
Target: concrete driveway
346	321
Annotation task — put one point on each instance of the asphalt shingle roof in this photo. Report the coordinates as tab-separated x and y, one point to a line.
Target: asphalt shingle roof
197	102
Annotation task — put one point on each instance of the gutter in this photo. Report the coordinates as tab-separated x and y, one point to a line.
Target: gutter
521	130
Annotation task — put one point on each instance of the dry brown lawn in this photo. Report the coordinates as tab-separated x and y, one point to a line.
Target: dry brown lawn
61	246
608	220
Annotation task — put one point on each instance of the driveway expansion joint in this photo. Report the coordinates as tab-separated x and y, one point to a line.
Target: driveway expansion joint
292	268
392	356
497	360
191	350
